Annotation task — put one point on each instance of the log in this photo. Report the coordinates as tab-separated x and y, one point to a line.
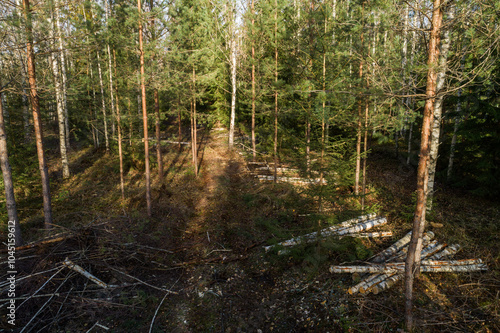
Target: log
386	284
465	265
71	265
428	251
382	256
52	239
293	180
447	252
312	237
371	234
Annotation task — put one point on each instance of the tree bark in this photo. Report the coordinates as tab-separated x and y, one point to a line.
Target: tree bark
438	111
144	114
58	83
10	200
276	92
105	120
254	151
233	84
62	57
415	247
118	123
47	209
194	142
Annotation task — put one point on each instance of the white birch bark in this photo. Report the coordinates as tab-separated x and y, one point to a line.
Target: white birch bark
62	58
59	100
233	85
438	111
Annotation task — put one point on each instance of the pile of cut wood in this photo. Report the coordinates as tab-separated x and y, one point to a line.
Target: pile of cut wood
263	171
387	267
353	228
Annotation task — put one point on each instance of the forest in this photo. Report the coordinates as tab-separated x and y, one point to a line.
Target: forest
223	165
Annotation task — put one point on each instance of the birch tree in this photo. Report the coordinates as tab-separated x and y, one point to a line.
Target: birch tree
415	246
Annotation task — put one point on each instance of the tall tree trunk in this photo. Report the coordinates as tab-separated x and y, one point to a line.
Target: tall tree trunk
118	123
359	133
276	92
194	135
233	85
10	200
159	157
254	151
157	108
144	114
105	120
111	91
412	266
35	107
62	57
54	59
438	110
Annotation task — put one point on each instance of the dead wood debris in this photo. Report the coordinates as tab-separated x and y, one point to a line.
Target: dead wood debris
387	267
352	228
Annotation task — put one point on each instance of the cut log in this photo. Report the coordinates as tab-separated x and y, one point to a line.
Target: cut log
71	265
447	252
293	180
382	256
342	229
371	234
465	265
386	284
429	251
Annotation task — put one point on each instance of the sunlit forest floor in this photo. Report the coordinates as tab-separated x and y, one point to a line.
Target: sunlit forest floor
198	265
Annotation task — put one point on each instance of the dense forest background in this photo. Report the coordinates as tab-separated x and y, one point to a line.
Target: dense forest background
99	100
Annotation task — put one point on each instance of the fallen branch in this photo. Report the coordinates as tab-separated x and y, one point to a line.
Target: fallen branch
53	239
71	265
144	283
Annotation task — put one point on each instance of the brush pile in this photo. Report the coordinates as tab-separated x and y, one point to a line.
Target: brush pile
387	267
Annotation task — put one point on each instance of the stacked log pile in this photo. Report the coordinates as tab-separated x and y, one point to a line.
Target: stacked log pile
353	228
387	267
264	172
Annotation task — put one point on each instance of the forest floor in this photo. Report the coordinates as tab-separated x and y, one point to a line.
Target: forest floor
197	265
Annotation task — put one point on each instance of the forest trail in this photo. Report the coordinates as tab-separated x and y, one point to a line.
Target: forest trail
203	244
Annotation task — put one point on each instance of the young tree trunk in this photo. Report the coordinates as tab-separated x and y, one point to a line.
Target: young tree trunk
111	91
118	123
449	171
179	122
105	120
194	142
35	107
10	200
158	138
62	57
415	246
359	134
144	115
157	109
254	151
438	111
233	86
54	59
276	92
